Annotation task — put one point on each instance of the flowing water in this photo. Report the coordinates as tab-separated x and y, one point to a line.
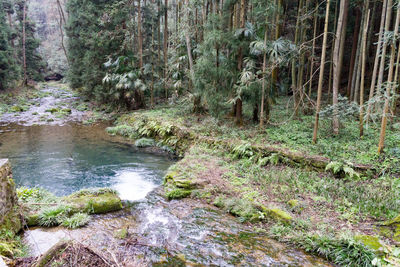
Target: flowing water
67	157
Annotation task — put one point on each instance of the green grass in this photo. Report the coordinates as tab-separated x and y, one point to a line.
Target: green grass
53	216
294	134
77	220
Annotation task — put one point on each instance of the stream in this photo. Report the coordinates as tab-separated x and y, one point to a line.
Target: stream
64	156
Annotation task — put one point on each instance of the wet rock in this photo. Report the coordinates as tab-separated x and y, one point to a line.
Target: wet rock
178	193
178	181
52	110
2	263
94	202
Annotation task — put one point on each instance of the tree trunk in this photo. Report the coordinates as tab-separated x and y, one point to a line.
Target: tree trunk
140	36
353	53
339	43
62	20
376	63
382	66
24	43
188	42
364	59
239	103
321	73
264	67
313	53
294	62
166	48
389	81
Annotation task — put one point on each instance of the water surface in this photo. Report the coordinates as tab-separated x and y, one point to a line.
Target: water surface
64	159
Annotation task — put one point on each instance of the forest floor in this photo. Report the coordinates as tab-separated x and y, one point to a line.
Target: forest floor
320	211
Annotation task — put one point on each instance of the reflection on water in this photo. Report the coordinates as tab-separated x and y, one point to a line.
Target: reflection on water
64	159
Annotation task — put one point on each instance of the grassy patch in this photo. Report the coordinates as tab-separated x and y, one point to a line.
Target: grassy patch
77	220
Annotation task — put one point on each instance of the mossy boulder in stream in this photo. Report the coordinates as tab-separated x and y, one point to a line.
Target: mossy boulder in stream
179	181
94	201
178	193
178	186
55	211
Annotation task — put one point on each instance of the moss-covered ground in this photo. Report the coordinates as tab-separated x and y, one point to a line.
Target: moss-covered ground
339	217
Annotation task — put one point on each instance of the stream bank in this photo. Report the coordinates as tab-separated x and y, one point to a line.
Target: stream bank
150	230
346	219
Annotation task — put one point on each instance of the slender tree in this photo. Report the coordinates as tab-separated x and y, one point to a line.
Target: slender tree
389	83
321	73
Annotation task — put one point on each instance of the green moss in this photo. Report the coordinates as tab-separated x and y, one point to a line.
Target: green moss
94	203
371	242
176	180
52	110
277	214
392	222
12	222
293	203
19	108
178	193
121	233
32	219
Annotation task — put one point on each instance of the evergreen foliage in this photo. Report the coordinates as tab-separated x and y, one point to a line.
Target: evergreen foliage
7	61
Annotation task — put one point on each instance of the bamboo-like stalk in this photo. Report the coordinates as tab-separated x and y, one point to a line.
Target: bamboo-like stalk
389	83
321	73
364	59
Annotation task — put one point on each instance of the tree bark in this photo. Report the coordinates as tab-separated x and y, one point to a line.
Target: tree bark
353	53
321	73
389	82
166	48
363	65
376	63
24	43
337	54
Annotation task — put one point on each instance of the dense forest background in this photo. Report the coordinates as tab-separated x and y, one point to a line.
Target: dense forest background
235	58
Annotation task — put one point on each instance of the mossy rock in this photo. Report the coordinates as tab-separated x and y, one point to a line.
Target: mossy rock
94	203
179	182
277	215
52	110
178	193
32	219
371	242
12	221
18	109
67	110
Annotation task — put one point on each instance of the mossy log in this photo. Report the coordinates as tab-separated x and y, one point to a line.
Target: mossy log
52	252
